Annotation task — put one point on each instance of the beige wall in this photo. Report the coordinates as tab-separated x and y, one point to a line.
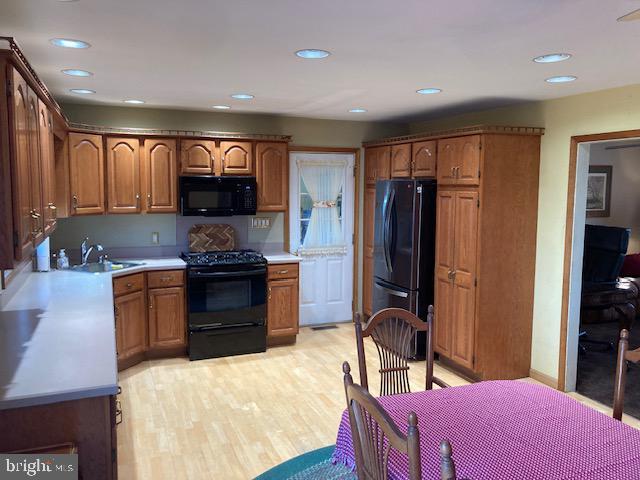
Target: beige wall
305	131
604	111
625	190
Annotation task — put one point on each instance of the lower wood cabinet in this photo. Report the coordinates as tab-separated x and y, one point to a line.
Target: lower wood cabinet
150	316
282	302
166	317
131	325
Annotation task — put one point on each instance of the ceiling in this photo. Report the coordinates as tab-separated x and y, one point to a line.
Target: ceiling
192	54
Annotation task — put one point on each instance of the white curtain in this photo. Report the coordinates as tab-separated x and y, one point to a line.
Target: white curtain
324	180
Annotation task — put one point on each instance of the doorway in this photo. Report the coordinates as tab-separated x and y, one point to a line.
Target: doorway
604	206
321	232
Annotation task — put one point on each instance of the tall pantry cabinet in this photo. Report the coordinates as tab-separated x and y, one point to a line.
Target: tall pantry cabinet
487	206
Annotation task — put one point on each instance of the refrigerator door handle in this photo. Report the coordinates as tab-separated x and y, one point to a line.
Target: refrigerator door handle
387	226
390	291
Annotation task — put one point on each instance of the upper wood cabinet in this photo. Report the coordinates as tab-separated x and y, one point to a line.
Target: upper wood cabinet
166	318
459	160
35	170
401	161
197	157
236	158
21	181
424	159
47	156
160	176
272	175
86	172
123	175
377	164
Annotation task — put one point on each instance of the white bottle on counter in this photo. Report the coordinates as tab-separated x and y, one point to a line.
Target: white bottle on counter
63	260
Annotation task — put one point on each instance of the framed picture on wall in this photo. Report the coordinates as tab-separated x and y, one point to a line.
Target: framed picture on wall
599	191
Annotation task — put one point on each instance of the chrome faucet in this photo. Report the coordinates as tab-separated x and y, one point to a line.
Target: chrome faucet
86	251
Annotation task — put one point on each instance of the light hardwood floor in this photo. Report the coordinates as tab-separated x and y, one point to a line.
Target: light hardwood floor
235	417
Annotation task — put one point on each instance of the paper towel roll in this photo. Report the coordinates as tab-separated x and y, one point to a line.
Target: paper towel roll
43	260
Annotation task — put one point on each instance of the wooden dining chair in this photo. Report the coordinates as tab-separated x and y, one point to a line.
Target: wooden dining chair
624	355
394	331
447	467
374	433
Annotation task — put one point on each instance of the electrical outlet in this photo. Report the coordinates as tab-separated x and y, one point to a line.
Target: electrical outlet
260	222
155	238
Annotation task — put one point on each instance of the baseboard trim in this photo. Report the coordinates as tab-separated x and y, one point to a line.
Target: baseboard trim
548	380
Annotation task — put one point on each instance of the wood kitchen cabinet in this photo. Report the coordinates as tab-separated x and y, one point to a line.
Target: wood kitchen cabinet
456	273
401	161
35	170
123	175
197	157
86	174
367	282
47	156
377	164
23	217
166	299
423	156
282	302
272	176
236	158
166	318
150	316
131	325
160	176
459	160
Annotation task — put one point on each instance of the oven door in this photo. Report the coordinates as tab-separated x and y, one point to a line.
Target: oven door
223	299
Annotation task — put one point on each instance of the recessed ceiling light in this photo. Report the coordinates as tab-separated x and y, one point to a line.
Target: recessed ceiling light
312	53
561	79
133	101
82	91
76	73
428	91
552	58
69	43
221	107
242	96
357	110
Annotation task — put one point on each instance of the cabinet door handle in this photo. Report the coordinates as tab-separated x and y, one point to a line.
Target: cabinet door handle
269	294
149	200
166	279
150	303
75	202
453	172
457	172
283	272
137	200
129	285
54	209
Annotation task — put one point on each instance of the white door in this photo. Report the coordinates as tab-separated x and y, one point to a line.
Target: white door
326	269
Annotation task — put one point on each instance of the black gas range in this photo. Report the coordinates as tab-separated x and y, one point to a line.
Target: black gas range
227	303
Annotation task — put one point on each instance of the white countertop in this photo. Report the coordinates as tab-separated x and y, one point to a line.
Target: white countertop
281	257
57	336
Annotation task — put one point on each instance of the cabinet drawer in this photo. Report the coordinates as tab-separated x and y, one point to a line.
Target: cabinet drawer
165	278
128	284
284	270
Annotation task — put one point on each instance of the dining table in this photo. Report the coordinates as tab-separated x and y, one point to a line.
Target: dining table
508	429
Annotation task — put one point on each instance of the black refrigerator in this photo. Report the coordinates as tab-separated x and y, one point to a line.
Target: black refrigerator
404	245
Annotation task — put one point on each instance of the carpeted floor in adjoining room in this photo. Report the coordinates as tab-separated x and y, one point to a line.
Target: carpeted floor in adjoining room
597	368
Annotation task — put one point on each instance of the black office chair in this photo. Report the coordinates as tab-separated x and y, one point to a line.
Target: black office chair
604	252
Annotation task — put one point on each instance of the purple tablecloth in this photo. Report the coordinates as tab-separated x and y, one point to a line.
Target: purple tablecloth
509	430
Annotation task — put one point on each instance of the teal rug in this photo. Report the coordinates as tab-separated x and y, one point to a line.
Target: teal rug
314	465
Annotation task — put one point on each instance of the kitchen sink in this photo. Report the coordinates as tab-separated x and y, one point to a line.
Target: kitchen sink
96	267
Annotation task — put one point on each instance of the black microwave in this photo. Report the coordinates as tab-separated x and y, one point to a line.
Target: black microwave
210	196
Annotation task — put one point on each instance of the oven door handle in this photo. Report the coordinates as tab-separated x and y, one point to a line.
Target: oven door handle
243	273
212	327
